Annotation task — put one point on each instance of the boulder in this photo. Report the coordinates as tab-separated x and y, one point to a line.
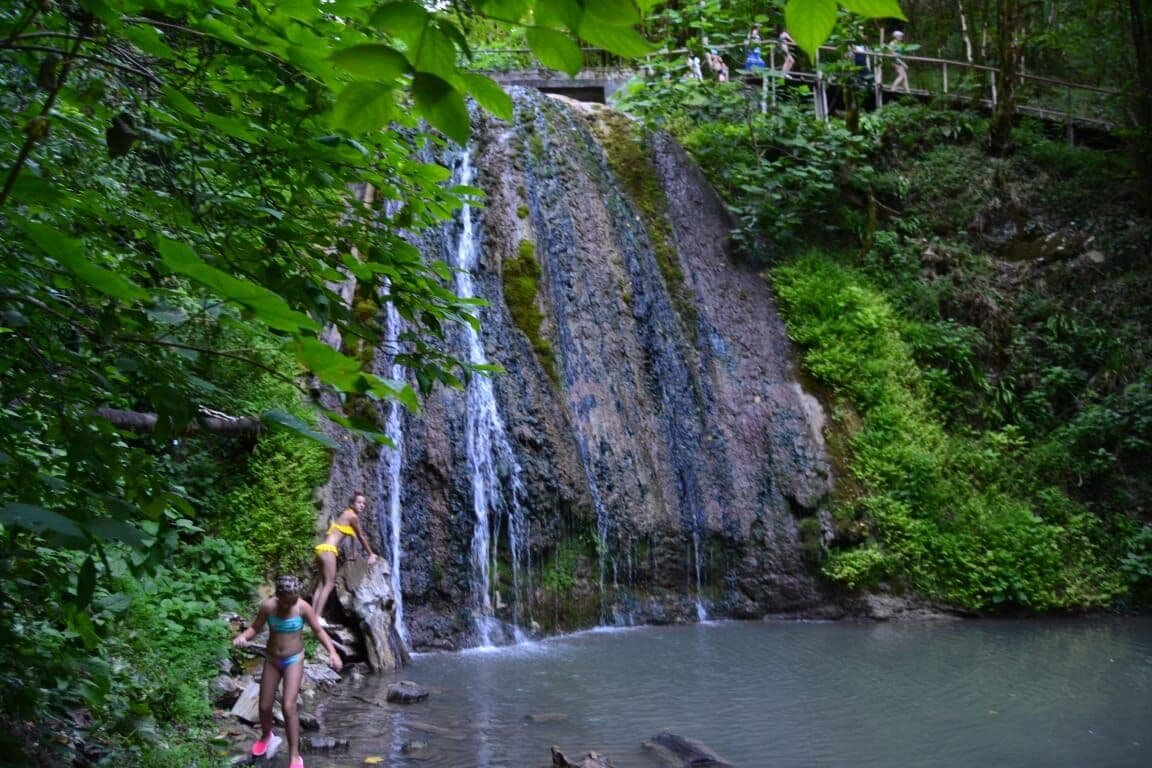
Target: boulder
680	752
406	692
365	591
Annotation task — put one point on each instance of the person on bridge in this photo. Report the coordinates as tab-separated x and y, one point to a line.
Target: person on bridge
786	43
754	61
897	48
717	65
860	62
694	67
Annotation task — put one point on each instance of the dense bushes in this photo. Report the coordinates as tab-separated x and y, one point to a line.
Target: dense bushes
957	517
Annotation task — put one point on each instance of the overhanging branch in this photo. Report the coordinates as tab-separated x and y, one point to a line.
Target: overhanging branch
206	421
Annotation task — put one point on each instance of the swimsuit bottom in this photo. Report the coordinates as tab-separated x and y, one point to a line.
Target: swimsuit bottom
321	548
282	663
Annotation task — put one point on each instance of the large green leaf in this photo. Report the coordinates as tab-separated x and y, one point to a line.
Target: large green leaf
404	20
560	13
489	95
285	420
612	13
442	106
555	49
363	106
624	41
372	61
505	10
70	253
875	9
267	306
39	520
810	22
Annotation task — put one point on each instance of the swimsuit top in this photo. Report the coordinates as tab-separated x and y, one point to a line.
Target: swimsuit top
284	626
347	530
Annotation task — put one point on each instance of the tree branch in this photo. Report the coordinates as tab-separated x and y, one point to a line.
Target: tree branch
206	421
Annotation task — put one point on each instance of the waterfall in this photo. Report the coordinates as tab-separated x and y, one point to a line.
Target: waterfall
701	612
497	488
392	460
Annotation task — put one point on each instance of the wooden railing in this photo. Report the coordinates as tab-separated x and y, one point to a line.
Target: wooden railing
1044	97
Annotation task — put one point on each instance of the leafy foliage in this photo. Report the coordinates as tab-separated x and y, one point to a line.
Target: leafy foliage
959	518
188	191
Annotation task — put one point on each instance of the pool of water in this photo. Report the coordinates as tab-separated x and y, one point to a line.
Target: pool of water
774	694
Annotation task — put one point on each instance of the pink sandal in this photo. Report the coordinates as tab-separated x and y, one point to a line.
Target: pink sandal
261	747
297	763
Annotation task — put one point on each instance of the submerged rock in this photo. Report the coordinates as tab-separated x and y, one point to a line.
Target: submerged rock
679	752
591	760
406	692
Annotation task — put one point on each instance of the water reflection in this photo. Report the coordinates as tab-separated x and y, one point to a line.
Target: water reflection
1037	693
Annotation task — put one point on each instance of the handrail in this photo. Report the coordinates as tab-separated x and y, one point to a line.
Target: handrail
595	58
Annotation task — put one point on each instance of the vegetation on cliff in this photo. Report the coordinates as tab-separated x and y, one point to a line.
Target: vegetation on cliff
977	325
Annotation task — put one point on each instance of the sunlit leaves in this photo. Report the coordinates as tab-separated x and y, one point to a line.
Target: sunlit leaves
620	40
489	95
442	106
372	61
363	106
810	22
875	9
555	49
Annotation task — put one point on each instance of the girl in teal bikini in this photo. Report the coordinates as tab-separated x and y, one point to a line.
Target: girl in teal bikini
285	615
347	524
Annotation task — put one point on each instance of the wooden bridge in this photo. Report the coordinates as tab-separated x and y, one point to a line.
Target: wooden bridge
1075	105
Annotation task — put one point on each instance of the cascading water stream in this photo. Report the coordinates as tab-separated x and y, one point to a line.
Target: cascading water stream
392	460
497	488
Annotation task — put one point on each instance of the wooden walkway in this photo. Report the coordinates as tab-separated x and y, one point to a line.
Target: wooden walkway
1075	105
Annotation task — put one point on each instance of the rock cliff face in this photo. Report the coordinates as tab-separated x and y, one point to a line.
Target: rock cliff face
650	455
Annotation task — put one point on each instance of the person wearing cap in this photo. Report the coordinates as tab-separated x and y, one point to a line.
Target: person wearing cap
285	614
898	62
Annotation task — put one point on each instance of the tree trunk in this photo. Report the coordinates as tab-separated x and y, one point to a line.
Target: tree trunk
1009	18
1140	12
965	32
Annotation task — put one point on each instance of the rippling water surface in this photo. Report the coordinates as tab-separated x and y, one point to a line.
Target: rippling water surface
775	694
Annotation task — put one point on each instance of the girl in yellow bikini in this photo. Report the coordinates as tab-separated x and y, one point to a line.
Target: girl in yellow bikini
347	524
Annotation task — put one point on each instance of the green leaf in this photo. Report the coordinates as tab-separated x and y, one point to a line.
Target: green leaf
268	307
489	95
504	10
70	253
612	13
86	582
110	530
404	20
292	423
624	41
875	9
442	106
40	520
372	61
810	22
332	367
433	52
363	106
560	13
555	50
